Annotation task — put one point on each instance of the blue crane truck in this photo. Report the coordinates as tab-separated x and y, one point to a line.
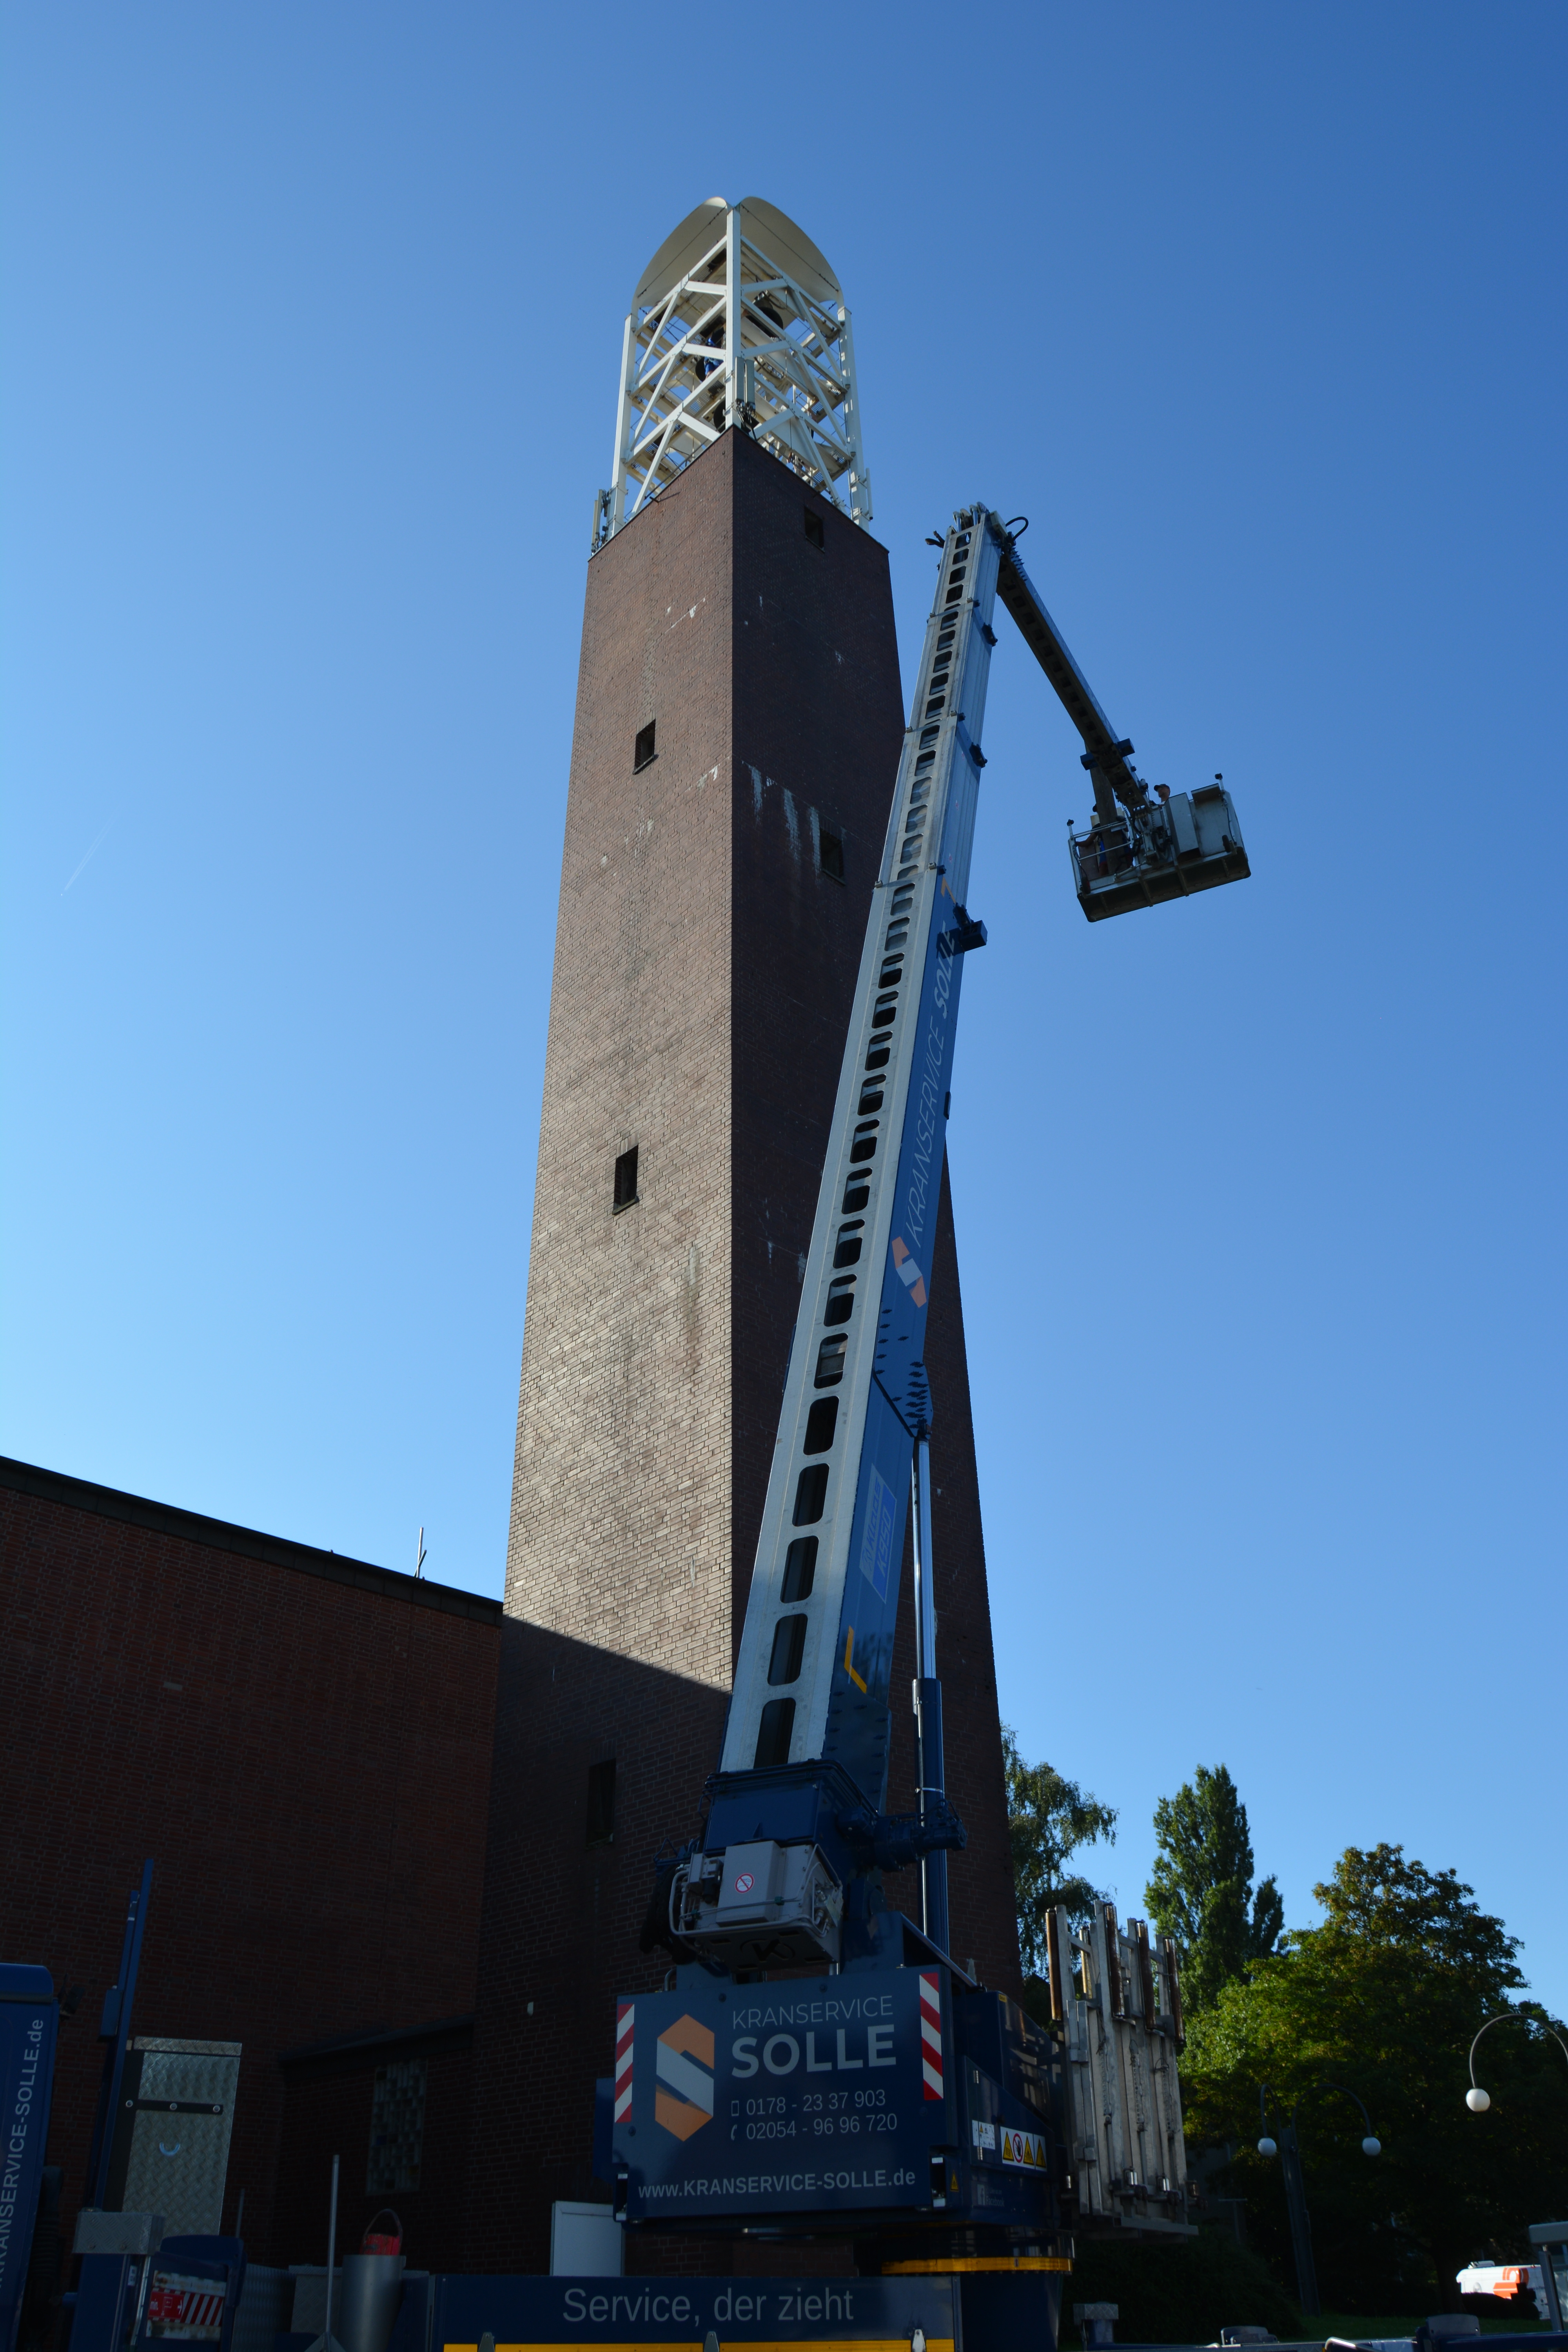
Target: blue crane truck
816	2063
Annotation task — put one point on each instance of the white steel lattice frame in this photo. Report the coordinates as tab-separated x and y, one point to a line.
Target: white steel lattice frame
736	341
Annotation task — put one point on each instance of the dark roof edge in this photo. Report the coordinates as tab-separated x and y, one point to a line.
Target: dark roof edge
248	1543
347	2044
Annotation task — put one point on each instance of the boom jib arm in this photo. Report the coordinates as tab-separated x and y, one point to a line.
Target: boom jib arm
1149	850
1104	755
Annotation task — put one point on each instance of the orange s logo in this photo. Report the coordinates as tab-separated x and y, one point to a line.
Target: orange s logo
683	2097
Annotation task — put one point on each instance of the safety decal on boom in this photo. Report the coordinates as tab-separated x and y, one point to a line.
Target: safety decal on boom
1023	2148
877	1543
909	1275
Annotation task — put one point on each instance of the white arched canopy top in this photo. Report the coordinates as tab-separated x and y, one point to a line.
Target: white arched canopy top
761	225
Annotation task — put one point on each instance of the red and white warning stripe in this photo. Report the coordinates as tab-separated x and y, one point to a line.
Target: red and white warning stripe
186	2307
931	2033
626	2017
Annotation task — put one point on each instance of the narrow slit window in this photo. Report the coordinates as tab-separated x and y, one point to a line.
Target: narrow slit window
773	1735
811	1494
789	1648
601	1802
813	532
800	1568
643	751
848	1250
820	1423
857	1193
840	1303
871	1095
831	853
831	1364
626	1181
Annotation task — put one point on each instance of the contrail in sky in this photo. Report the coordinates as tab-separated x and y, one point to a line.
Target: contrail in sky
89	855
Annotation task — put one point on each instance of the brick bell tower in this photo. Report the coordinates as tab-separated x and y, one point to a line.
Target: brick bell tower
737	730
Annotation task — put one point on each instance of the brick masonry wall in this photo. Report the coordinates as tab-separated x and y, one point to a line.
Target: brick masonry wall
704	972
305	1753
620	1528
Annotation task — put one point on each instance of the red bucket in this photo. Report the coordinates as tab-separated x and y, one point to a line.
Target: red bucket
377	2240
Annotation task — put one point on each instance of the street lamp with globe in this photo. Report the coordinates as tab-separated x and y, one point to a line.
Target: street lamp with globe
1284	2145
1476	2099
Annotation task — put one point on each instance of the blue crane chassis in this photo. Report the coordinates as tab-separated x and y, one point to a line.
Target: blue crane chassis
875	2092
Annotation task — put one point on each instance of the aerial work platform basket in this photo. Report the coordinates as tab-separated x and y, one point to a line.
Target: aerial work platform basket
1167	849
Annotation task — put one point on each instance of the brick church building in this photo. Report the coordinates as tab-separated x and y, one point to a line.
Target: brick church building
402	1834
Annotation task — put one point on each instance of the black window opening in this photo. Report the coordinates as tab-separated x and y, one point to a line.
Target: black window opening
820	1423
396	2128
800	1568
850	1238
811	1493
814	528
831	855
857	1193
626	1181
642	751
776	1730
841	1304
789	1649
829	1371
601	1802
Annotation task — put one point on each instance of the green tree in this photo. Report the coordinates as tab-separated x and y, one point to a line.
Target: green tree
1201	1888
1384	1998
1049	1817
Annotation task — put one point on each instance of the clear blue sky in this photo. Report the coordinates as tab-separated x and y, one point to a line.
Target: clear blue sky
313	318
